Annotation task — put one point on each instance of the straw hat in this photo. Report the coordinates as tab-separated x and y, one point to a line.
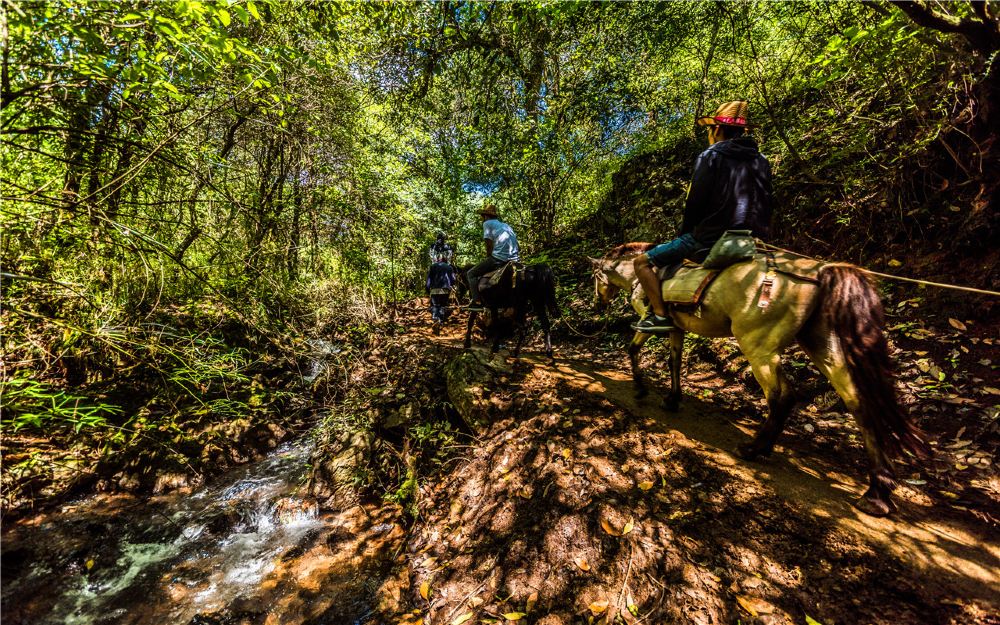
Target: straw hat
490	210
728	114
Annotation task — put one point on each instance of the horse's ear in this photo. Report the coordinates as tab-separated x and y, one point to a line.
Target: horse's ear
594	261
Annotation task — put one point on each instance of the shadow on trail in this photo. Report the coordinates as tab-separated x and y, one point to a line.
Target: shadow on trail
950	556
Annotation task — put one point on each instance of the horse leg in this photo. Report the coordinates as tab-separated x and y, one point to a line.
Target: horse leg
522	331
543	319
634	348
780	400
830	360
496	331
673	400
468	329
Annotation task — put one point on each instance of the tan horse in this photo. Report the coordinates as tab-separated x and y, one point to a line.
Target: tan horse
830	309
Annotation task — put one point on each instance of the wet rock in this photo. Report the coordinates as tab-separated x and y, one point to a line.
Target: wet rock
169	481
407	414
336	465
470	379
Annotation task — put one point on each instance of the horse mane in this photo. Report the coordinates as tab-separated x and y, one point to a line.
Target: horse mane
629	249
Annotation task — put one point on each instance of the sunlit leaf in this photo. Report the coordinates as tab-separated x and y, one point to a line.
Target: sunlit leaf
608	528
599	607
462	618
747	605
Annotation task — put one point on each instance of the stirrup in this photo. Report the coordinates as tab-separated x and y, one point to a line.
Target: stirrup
650	325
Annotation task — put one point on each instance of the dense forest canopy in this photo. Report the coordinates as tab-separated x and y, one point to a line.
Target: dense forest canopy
274	160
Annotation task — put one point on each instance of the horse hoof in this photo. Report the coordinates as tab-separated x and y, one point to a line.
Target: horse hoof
671	405
747	451
875	507
640	393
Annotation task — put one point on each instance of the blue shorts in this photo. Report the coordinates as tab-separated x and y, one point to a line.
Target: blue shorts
673	252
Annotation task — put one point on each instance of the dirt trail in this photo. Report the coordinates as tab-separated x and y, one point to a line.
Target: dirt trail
924	565
956	556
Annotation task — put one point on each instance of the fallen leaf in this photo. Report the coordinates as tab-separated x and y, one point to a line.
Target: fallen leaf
955	323
89	564
461	619
633	609
991	390
425	590
892	263
645	485
811	621
582	563
746	605
598	607
566	453
532	600
629	526
514	616
607	527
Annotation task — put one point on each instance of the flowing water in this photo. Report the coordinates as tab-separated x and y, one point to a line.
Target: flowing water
174	559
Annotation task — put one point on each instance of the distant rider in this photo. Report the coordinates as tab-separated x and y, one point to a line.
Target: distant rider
440	248
501	248
440	280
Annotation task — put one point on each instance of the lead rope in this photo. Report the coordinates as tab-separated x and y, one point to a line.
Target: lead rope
890	276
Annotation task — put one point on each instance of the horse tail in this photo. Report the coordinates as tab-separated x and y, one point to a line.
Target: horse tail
548	283
853	312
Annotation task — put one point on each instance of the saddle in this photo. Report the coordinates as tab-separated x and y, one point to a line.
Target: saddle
493	278
685	282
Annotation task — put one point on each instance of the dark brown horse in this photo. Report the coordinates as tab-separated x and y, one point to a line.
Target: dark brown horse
532	289
833	312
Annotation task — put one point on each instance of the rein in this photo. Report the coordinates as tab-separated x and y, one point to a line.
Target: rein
607	320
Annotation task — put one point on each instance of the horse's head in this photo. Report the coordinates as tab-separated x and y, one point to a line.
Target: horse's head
604	290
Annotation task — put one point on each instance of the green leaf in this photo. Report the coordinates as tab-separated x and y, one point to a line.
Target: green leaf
253	10
242	14
224	17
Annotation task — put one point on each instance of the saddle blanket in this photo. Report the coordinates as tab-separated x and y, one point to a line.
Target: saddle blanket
687	285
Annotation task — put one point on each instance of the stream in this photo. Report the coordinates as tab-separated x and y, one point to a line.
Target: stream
249	547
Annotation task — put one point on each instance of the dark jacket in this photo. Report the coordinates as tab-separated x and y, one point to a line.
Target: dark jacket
730	190
440	276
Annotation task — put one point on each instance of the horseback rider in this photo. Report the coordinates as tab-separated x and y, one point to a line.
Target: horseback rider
501	248
441	248
730	190
440	280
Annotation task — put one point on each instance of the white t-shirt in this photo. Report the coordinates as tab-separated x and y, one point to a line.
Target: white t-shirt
504	240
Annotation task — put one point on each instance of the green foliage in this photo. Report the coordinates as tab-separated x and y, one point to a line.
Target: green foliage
271	166
29	403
